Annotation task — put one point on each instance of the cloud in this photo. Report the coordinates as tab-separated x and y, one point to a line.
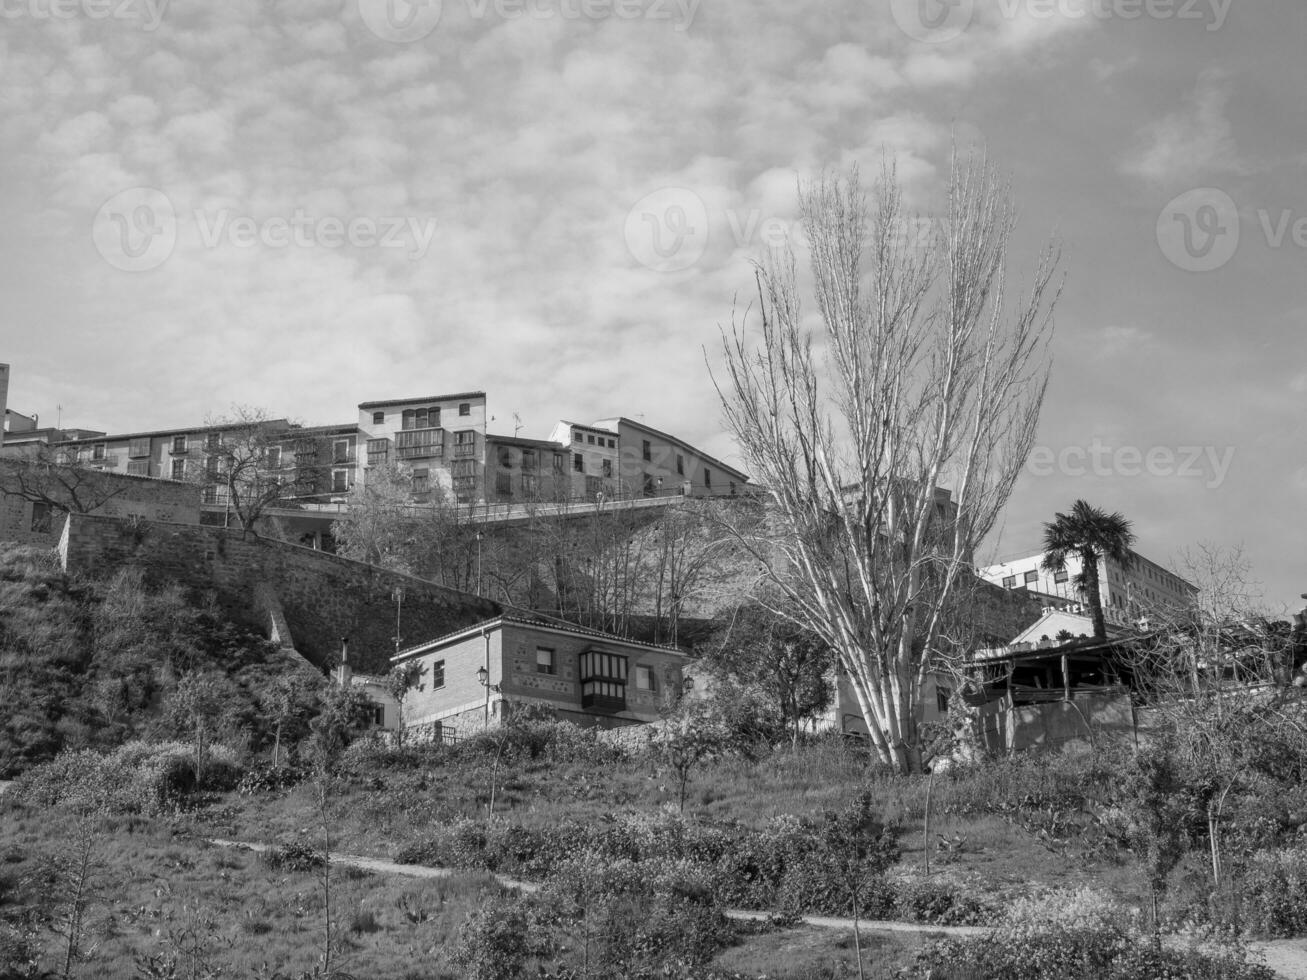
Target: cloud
1191	145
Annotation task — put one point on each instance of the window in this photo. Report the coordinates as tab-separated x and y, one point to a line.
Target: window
464	408
273	457
594	485
504	484
644	678
680	465
420	443
212	466
1010	582
465	442
378	715
648	450
648	485
41	518
941	698
560	462
178	469
1061	576
421	479
342	451
578	463
732	488
577	437
603	681
544	660
179	444
506	458
378	451
707	477
530	484
98	451
378	418
590	439
438	674
139	467
138	447
212	440
529	460
612	444
1032	577
608	467
339	481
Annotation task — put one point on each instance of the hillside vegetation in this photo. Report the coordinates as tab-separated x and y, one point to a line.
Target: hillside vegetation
145	728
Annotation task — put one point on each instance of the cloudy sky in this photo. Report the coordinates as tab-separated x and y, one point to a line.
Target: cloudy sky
310	203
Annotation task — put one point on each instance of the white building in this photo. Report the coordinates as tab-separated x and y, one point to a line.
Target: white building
1127	593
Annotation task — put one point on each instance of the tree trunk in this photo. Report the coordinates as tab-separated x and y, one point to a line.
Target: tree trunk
1089	569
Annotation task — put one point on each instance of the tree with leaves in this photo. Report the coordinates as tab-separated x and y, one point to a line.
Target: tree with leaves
921	372
1091	535
793	668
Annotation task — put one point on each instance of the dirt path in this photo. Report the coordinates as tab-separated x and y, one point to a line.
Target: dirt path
1287	957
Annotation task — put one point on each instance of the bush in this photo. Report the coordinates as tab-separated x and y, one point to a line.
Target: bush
266	778
1271	893
300	856
939	904
1101	953
138	777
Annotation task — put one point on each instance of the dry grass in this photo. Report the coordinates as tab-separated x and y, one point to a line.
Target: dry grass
152	890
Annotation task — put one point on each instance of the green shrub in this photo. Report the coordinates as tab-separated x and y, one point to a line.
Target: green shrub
298	855
138	777
1271	892
1100	953
267	778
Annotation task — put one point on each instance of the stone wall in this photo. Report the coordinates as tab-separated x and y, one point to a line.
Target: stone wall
118	496
322	597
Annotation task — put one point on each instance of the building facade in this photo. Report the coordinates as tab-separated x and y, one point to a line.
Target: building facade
466	680
1127	593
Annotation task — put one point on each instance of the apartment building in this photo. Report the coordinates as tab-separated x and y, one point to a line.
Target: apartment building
592	459
1127	593
651	462
524	470
439	439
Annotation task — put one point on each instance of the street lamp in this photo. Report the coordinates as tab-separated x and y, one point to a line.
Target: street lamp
483	678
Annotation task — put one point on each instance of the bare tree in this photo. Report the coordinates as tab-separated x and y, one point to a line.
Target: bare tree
929	379
243	456
54	477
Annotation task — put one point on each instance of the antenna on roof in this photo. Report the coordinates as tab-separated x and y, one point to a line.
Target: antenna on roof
59	418
517	424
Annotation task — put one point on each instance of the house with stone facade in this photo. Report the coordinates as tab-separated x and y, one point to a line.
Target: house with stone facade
470	679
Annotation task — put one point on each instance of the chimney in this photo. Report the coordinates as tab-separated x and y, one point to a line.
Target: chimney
343	672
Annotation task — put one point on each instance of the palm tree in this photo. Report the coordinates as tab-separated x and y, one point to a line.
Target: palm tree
1089	534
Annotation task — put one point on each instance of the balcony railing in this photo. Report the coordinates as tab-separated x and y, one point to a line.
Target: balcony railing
464	449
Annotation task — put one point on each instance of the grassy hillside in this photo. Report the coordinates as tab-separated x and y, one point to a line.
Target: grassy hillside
96	663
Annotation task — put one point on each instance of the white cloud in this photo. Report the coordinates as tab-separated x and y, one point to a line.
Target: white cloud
1190	145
